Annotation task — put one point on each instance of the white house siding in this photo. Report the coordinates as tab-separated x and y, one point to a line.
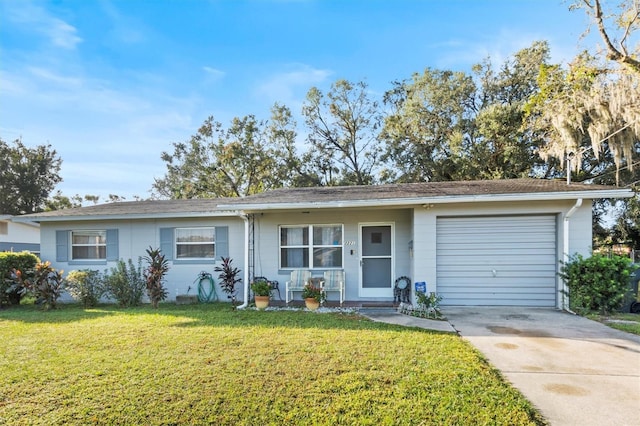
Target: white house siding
425	231
267	242
135	236
19	236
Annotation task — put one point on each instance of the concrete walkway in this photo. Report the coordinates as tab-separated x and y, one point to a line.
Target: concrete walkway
393	317
574	370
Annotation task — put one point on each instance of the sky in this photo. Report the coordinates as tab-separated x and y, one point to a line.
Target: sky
111	84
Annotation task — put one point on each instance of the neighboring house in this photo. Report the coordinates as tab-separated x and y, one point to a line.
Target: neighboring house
497	242
19	236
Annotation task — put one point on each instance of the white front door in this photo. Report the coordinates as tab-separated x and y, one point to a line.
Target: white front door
376	260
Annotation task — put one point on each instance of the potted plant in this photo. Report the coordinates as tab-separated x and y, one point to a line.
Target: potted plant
262	293
312	295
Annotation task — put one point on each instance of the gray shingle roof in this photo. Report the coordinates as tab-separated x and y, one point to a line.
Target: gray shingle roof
417	190
145	208
392	194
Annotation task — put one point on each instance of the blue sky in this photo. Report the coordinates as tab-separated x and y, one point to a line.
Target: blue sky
110	84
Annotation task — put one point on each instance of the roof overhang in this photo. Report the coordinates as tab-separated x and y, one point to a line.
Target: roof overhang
126	216
449	199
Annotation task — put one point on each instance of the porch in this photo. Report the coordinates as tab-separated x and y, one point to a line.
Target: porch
354	304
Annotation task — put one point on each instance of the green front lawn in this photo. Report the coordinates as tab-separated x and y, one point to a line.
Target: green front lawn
625	322
208	365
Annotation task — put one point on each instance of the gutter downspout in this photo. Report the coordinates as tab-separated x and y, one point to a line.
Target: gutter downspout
246	261
567	216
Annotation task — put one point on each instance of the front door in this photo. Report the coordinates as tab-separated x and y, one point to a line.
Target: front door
376	260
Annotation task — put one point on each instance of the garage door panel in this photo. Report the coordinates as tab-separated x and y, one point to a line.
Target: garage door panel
505	260
500	293
516	262
516	283
471	274
490	301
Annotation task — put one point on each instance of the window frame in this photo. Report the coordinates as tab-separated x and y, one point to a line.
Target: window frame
72	258
177	230
310	246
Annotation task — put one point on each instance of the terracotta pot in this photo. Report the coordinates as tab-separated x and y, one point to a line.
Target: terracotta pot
311	304
262	302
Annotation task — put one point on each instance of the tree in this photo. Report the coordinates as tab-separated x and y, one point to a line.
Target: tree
218	162
342	132
447	125
59	201
27	176
588	109
624	24
589	113
426	129
294	169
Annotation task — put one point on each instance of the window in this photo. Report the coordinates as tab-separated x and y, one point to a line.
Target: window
195	243
311	246
88	245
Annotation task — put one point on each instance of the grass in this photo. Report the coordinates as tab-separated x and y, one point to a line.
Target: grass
206	364
625	322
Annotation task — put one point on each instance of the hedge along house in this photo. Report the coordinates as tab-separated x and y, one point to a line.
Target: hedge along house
496	242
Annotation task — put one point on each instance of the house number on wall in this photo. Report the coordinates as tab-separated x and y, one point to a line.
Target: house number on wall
349	243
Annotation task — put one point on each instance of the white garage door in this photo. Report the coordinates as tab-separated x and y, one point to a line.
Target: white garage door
497	260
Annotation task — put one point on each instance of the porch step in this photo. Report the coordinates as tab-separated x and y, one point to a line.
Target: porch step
377	309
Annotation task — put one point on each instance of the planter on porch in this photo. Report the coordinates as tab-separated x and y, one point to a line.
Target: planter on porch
311	303
262	302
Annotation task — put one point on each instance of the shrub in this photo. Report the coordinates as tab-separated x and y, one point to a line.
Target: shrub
11	291
261	288
228	278
154	273
85	286
125	283
428	306
44	282
598	283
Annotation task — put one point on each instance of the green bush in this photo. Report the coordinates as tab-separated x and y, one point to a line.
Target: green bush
43	282
11	291
125	283
598	283
154	273
85	286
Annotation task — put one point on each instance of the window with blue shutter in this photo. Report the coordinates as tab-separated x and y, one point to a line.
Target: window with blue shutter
222	241
62	246
166	242
112	244
194	245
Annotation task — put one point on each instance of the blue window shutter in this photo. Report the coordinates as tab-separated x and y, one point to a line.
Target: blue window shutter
166	242
222	241
112	244
62	246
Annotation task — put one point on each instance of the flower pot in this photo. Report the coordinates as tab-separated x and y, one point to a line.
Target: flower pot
262	302
311	304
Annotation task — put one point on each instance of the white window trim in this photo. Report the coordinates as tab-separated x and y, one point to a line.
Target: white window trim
175	243
310	246
72	245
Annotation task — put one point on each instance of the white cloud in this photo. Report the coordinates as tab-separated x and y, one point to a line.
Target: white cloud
30	16
62	34
124	28
498	47
213	72
290	86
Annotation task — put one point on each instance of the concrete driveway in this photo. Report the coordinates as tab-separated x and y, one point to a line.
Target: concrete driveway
574	370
